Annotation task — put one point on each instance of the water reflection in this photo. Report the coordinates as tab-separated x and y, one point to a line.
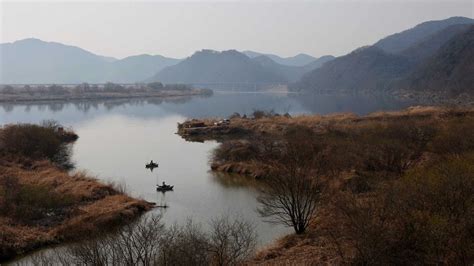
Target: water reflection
220	104
117	137
88	105
234	180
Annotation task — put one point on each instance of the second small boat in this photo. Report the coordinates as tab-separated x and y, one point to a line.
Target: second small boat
151	165
164	188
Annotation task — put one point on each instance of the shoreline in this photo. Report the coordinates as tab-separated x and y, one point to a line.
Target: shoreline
24	98
42	203
239	130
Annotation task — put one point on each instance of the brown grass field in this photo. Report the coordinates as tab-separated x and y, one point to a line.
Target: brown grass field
42	204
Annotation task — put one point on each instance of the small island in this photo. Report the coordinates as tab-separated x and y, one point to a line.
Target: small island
85	91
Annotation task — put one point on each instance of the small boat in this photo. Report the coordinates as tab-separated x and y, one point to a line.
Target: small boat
151	165
164	188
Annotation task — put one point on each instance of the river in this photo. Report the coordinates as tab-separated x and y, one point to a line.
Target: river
117	138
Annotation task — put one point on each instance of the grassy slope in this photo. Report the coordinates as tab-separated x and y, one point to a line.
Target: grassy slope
40	204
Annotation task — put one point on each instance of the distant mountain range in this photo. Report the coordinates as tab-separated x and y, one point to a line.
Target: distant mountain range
36	61
137	68
297	60
208	66
432	56
429	56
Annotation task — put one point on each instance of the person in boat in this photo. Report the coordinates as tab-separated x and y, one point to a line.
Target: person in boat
152	164
164	185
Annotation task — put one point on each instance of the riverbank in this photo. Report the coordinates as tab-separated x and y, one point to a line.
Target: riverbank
244	134
41	203
83	92
391	182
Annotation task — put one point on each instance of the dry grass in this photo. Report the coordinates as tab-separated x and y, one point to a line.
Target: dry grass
371	197
94	206
278	125
41	204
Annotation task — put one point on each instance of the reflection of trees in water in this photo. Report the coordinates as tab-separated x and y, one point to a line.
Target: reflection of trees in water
86	105
56	107
7	107
233	180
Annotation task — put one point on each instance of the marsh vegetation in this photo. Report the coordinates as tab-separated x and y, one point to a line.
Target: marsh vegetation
40	202
386	188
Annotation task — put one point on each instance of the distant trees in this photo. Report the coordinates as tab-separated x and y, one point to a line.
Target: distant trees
112	87
58	90
28	89
67	91
7	89
83	88
156	85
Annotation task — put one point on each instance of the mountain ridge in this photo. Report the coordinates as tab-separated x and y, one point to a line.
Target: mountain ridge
398	42
374	69
209	66
32	60
450	71
300	59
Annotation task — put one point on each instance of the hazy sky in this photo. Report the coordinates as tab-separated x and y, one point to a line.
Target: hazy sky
177	29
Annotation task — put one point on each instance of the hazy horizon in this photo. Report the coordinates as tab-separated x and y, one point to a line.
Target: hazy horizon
179	29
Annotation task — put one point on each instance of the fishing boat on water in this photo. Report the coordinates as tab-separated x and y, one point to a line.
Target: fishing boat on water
151	165
164	187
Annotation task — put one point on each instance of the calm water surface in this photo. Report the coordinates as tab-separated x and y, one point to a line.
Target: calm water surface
116	139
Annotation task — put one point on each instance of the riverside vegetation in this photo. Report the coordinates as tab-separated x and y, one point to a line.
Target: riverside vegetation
41	203
386	188
85	91
149	242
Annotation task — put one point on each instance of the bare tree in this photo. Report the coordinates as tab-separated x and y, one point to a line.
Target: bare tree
148	242
291	192
134	244
231	242
184	245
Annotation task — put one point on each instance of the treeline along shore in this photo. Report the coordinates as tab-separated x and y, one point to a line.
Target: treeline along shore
42	203
85	91
386	188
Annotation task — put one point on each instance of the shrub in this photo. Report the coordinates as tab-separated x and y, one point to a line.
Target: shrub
426	217
38	142
455	137
29	203
149	242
